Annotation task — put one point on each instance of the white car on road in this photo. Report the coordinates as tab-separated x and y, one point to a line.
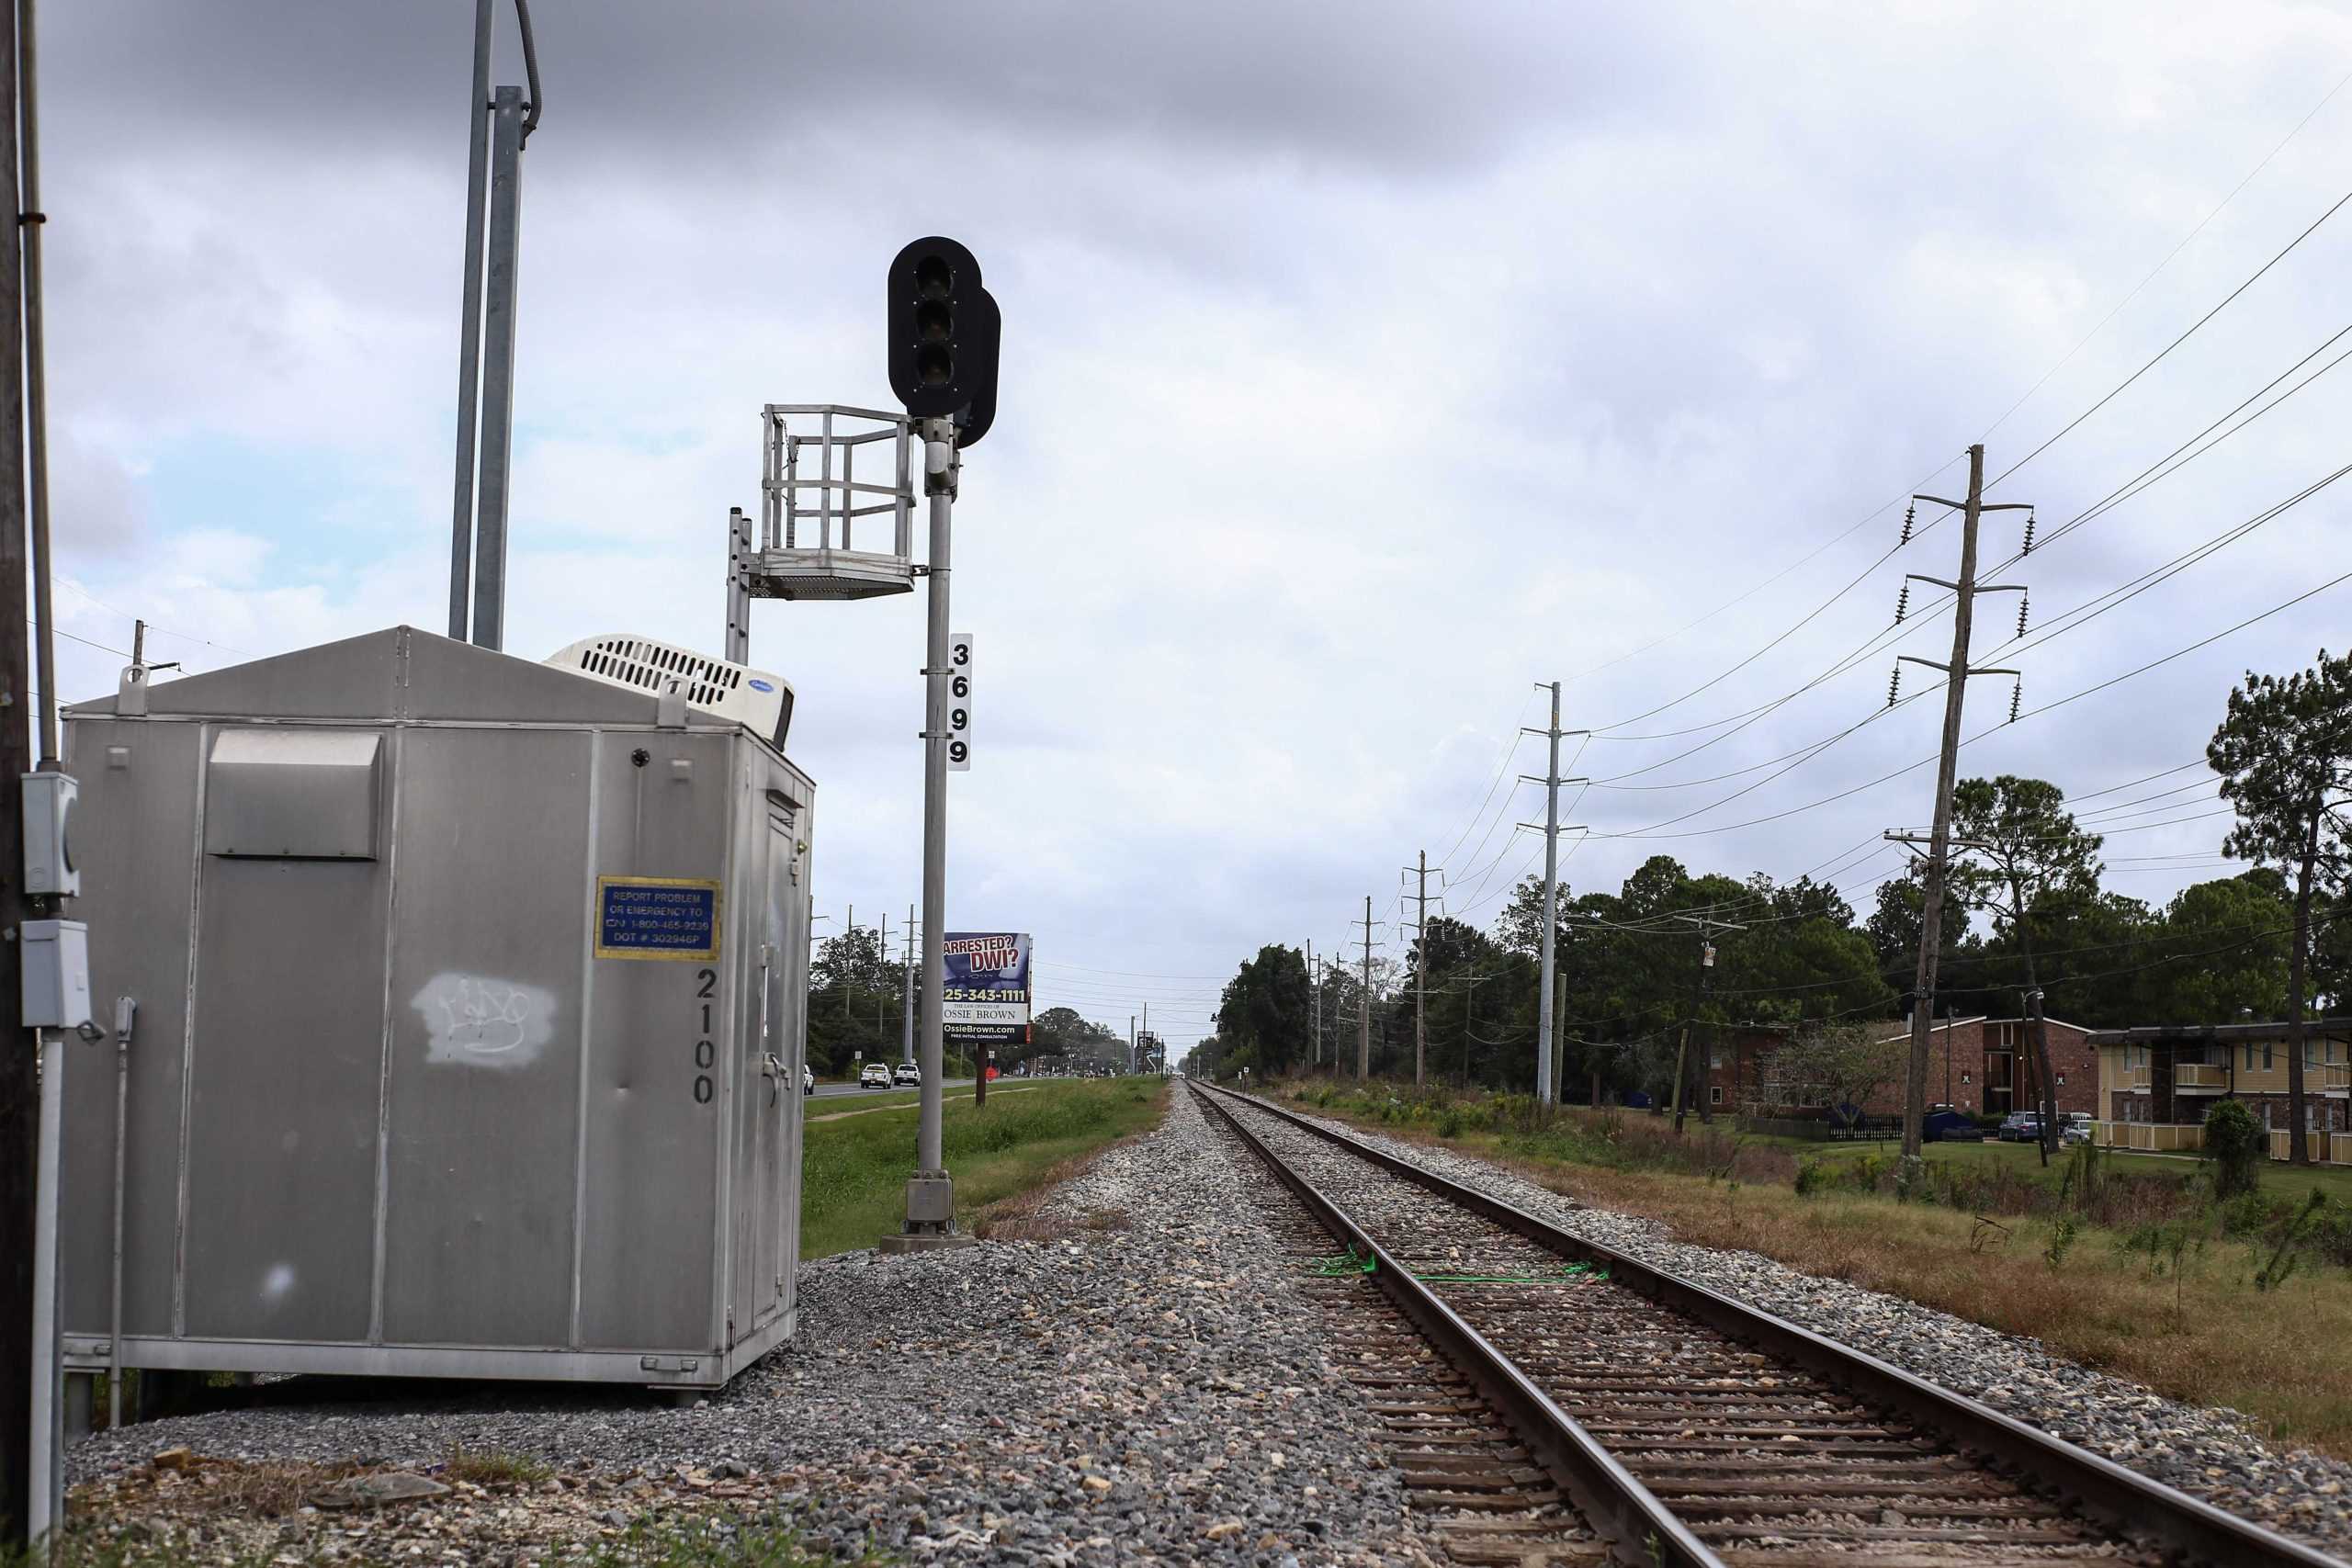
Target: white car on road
874	1075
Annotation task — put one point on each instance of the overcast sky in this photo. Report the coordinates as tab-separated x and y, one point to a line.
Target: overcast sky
1365	365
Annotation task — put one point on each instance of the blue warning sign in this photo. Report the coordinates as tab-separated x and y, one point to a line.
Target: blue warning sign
656	916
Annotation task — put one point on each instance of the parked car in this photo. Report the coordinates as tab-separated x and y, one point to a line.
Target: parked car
874	1075
2076	1127
907	1073
2021	1127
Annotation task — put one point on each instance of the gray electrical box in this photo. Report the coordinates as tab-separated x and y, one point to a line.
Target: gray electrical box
53	991
470	1010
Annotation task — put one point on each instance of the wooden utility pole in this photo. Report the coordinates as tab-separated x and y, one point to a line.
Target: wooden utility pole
1707	926
1363	1013
1956	673
19	1077
1313	1010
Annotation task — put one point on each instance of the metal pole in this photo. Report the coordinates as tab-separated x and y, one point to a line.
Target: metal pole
929	1194
1545	1021
1931	915
125	1011
907	984
738	586
461	523
1313	1010
498	366
1363	1018
36	384
20	1074
48	1488
1421	973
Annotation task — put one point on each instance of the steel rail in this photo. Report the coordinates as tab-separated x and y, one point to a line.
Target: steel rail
2121	1499
1642	1532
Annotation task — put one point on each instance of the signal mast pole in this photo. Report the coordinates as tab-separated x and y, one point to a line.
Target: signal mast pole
944	329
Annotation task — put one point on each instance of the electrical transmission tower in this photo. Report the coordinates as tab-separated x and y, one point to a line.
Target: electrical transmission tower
1421	960
1546	1023
1956	673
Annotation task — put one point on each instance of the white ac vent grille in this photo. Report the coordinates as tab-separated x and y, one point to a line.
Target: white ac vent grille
754	698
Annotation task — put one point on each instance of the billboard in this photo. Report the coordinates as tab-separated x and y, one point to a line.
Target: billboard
984	1000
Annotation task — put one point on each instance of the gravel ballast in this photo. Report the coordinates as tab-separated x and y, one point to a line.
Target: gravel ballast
2212	1454
1144	1386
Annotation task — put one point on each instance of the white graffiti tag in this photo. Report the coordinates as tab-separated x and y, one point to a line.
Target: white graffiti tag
483	1021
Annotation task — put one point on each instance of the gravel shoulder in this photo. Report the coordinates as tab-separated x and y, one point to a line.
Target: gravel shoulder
2212	1454
1142	1385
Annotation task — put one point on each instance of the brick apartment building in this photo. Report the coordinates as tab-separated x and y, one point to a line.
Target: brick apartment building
1980	1066
2157	1082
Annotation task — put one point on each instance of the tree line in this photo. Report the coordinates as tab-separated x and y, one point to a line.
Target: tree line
858	1008
1644	970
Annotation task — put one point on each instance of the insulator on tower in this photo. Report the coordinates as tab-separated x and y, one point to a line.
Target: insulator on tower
2028	548
2016	694
1902	603
1893	684
1909	513
2023	599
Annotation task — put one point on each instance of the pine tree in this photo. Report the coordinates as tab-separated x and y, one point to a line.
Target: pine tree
2284	751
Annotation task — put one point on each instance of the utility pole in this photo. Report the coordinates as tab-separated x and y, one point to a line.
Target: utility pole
1546	1022
1956	673
1707	925
1146	1029
1363	1012
1315	1008
907	991
19	1070
503	120
1421	965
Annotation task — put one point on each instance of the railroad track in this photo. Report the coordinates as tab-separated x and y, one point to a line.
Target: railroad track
1687	1429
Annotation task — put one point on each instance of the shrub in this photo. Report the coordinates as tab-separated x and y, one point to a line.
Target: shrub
2235	1141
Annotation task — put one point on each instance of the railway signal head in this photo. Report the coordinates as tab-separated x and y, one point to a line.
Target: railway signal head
941	331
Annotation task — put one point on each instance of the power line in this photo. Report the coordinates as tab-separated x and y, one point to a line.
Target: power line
2029	713
2171	255
2176	342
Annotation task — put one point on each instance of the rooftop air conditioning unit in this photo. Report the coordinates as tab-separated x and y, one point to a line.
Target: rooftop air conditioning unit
758	701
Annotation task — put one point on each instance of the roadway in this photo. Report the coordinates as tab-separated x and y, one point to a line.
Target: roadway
850	1090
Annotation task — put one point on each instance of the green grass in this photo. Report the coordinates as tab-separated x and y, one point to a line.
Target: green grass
854	1172
490	1467
2277	1176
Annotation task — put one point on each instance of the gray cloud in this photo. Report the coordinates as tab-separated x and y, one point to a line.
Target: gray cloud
1364	365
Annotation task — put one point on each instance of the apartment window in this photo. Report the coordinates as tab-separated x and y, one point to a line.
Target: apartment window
2266	1055
2249	1056
1714	1094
